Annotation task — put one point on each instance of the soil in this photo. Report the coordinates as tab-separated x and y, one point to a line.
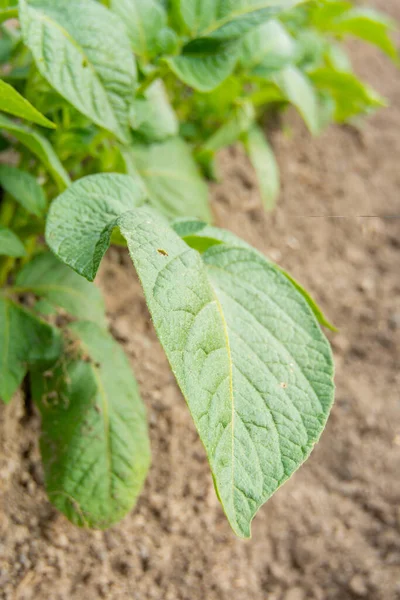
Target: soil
331	532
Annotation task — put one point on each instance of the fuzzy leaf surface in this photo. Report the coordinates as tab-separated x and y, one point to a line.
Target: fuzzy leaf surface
144	20
83	51
244	345
94	441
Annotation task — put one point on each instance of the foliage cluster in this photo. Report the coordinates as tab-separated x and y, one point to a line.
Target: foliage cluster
128	102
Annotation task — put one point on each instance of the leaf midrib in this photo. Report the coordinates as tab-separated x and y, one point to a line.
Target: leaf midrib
237	14
68	36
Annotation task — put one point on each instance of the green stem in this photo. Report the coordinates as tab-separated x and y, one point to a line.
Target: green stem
156	74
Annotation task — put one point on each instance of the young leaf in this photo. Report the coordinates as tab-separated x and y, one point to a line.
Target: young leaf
265	165
364	23
155	119
12	102
24	340
83	51
243	343
47	277
267	48
234	127
229	20
10	244
351	96
39	146
94	441
300	92
172	178
24	188
145	20
204	70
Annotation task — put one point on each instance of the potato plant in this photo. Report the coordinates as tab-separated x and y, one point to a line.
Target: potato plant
112	114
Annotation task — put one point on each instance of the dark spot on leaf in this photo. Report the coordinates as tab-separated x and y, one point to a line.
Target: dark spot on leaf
163	252
85	62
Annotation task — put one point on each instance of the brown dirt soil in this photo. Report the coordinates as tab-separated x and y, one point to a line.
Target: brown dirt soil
332	532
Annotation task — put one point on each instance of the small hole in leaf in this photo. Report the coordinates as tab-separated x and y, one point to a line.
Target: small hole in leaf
283	385
163	252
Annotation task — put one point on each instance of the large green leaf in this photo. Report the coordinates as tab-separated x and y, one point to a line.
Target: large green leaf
145	20
10	244
173	181
94	442
209	59
39	146
12	102
25	341
267	48
351	96
300	92
24	188
265	166
83	51
154	117
200	236
242	341
49	278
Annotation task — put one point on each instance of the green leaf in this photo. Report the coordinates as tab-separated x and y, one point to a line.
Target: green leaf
39	146
364	23
8	13
12	102
145	20
172	178
204	71
25	340
243	343
155	119
351	96
106	197
200	236
299	91
94	441
229	20
265	165
267	48
239	123
319	315
83	51
24	188
10	244
49	278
